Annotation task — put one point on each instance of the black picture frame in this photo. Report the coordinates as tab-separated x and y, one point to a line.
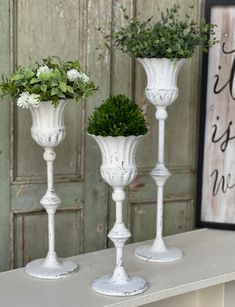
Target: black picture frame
209	4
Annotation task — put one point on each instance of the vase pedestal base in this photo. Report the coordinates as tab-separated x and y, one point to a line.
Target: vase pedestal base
38	270
105	285
145	253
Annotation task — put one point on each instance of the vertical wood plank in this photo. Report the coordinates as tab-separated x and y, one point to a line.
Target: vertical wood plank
5	67
58	31
97	14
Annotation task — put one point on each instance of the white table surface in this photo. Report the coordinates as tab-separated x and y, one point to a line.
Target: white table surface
209	259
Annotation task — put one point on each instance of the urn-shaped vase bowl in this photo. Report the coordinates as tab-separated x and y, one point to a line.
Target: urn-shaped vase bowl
118	168
162	76
48	129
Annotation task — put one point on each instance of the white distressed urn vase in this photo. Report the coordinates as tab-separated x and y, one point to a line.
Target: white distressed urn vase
161	91
119	169
48	130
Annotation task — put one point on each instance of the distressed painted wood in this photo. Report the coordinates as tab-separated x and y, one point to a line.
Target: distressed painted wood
218	180
143	215
96	197
26	226
66	28
5	66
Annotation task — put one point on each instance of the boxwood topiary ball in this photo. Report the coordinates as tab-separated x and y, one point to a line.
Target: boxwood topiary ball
118	116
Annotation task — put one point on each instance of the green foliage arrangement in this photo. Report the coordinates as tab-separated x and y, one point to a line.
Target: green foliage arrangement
118	116
53	80
170	37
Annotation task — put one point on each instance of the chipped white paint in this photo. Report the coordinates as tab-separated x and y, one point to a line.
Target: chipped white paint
118	169
48	131
161	91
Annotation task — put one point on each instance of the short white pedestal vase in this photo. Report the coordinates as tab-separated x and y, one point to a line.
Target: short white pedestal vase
118	169
48	131
161	91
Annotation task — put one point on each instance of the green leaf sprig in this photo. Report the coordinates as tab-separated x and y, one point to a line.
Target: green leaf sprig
170	37
52	80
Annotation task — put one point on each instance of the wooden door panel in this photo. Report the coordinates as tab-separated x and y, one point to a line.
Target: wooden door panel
142	217
30	234
48	27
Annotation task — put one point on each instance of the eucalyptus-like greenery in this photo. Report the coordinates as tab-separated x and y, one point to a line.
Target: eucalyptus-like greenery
52	80
170	37
118	116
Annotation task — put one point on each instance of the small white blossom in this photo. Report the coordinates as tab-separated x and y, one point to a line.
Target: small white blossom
84	77
34	100
26	99
43	69
74	74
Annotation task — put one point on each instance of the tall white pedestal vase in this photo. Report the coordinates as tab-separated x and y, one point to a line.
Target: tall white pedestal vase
161	91
118	169
48	131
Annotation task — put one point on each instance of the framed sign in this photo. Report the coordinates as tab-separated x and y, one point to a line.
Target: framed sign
216	163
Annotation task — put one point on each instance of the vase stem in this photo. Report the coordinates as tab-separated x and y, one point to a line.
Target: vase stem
159	217
52	201
118	212
160	173
50	183
51	232
161	141
119	234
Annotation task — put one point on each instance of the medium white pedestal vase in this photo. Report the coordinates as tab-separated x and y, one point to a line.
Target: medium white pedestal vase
118	169
48	131
161	91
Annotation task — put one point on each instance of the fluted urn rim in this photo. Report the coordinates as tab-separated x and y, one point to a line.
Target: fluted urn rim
65	100
117	137
173	60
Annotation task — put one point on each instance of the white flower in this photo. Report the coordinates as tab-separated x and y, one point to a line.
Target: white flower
26	99
84	77
42	69
74	74
34	100
23	100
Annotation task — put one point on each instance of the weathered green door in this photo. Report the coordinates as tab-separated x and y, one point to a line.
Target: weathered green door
31	30
38	29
